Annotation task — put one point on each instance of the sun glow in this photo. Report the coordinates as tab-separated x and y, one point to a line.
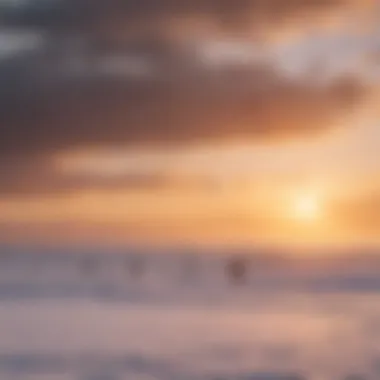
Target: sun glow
306	208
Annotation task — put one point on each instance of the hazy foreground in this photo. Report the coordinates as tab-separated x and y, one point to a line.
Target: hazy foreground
71	317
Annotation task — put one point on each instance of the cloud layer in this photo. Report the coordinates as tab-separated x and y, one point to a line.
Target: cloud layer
47	108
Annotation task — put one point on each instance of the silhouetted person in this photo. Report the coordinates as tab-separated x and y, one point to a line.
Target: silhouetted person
236	270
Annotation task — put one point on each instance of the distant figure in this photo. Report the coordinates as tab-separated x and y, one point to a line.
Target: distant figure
136	267
236	270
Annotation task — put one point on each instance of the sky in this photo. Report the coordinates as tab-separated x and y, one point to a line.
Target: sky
206	122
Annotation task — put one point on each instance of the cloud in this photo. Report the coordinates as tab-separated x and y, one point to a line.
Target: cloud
360	214
46	109
39	178
106	16
43	113
193	107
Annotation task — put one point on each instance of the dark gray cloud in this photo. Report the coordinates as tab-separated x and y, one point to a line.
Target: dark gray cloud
39	116
90	13
45	109
42	113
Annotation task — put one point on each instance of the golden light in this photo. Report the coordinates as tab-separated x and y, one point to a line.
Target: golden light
306	208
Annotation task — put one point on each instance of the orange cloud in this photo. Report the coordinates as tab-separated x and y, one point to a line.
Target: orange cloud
359	215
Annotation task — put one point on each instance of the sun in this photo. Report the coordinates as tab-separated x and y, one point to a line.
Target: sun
306	207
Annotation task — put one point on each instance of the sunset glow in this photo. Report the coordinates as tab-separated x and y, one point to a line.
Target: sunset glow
307	208
199	124
190	189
